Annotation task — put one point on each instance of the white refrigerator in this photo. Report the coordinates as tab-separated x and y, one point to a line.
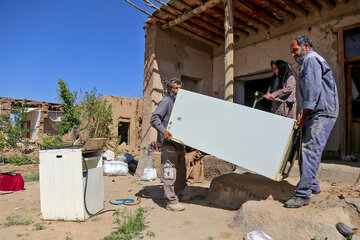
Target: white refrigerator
259	141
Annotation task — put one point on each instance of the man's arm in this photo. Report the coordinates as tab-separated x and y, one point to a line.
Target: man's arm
158	115
312	83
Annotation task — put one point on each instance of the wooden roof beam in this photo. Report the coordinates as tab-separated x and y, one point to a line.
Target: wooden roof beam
191	13
262	15
197	22
312	5
197	36
218	23
327	3
278	11
292	7
201	31
249	20
220	14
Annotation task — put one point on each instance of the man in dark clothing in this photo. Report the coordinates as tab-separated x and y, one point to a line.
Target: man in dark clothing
172	154
319	105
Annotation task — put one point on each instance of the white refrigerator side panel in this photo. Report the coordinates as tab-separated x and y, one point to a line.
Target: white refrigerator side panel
250	138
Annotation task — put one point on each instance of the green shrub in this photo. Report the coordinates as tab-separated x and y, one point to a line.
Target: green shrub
129	225
38	227
17	220
20	160
50	142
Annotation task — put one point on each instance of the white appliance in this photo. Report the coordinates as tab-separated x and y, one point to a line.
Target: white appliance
256	140
63	179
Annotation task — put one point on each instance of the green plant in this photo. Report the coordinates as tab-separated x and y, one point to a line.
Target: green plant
38	226
96	113
13	128
50	142
32	177
128	225
150	234
19	160
67	237
71	115
17	220
117	144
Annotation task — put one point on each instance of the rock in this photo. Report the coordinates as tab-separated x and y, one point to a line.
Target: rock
281	223
230	191
354	201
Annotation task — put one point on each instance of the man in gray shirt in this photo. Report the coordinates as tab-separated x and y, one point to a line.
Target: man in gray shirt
319	105
172	154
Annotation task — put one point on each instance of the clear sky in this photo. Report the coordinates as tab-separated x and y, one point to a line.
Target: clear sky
87	43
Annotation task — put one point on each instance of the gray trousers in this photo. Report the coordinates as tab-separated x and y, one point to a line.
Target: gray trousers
315	133
173	170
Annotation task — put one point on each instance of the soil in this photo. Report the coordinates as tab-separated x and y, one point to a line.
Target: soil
200	220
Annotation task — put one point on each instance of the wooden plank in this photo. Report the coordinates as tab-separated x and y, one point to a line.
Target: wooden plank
229	50
196	36
191	13
312	5
195	121
238	30
201	31
248	19
326	3
262	15
293	7
278	11
344	146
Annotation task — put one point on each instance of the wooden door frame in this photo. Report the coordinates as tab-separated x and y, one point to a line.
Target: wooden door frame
345	147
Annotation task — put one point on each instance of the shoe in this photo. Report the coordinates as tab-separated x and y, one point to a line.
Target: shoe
296	202
175	207
316	191
184	197
344	229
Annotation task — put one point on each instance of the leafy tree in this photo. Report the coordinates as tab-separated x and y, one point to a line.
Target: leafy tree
14	129
96	114
71	115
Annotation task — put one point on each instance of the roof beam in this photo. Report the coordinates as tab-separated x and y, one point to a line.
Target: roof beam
246	18
291	6
279	11
191	13
312	5
220	14
327	3
262	15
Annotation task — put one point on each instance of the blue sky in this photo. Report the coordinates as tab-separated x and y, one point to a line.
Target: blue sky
87	43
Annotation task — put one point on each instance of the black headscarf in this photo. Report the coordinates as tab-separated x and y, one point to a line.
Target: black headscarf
284	73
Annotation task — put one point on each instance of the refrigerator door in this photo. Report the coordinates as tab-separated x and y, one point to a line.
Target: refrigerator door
256	140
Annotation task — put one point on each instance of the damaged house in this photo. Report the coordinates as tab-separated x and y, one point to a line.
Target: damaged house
43	117
223	49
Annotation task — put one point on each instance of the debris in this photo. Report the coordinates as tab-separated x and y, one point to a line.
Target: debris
257	235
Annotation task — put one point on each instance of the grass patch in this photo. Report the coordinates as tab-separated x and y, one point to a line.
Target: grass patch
32	177
129	225
38	227
17	220
20	160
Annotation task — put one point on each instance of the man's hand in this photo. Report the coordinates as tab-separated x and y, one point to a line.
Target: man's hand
300	120
166	135
302	116
270	96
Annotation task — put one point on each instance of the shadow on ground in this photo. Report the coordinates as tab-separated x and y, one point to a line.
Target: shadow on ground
228	191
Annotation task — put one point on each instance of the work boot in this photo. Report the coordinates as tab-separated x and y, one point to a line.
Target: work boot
296	202
177	207
318	191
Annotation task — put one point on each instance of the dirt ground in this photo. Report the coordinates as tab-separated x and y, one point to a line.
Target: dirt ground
199	221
